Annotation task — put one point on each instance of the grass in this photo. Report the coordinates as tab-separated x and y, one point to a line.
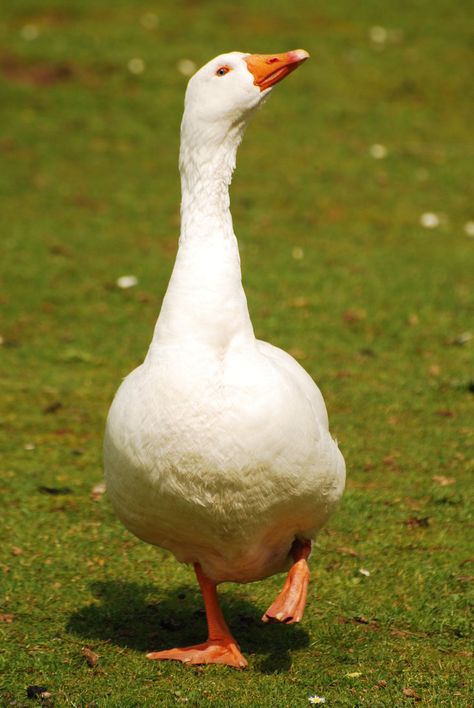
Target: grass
337	269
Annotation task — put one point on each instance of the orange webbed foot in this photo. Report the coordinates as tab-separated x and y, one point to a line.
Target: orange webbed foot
215	651
290	603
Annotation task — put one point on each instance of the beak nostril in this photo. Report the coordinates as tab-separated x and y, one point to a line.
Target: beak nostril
273	60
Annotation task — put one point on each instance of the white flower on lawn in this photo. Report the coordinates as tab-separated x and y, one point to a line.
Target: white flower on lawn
378	34
314	700
429	220
136	66
29	32
126	281
186	67
378	152
297	253
364	571
469	228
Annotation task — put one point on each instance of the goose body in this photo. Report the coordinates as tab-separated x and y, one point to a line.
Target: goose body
217	447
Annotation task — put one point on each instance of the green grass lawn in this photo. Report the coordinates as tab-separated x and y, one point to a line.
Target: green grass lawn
338	269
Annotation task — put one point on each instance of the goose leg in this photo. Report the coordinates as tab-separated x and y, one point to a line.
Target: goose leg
290	603
220	647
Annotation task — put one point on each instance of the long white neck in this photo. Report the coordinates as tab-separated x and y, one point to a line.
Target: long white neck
205	303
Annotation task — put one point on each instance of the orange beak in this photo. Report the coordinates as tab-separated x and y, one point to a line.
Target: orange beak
269	69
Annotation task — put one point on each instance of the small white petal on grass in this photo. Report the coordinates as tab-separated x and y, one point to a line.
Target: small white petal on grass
29	446
98	490
378	152
469	228
364	571
29	32
315	700
186	67
297	253
354	674
429	220
126	281
149	20
136	66
378	34
462	338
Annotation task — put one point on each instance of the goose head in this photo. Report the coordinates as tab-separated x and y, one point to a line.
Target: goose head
223	94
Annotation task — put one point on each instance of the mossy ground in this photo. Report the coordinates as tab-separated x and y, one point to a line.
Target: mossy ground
338	270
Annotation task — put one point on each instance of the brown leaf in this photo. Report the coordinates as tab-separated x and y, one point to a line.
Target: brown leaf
16	551
402	633
442	480
351	316
344	551
382	683
390	461
91	657
8	618
415	521
445	413
410	693
361	619
365	623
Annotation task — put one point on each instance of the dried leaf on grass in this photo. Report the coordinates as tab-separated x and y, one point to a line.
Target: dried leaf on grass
90	656
415	521
443	481
344	551
410	693
363	622
402	633
8	618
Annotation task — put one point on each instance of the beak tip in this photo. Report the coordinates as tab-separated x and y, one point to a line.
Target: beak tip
300	54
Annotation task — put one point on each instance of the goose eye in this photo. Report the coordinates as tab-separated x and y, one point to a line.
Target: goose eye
222	71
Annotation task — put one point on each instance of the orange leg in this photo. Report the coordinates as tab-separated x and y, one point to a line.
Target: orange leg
290	603
220	647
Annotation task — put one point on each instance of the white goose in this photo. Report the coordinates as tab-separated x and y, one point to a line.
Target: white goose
217	447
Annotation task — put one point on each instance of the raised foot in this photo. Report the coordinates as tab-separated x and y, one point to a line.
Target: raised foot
290	603
211	652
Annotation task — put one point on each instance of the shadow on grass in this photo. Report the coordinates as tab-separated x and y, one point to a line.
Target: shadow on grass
125	615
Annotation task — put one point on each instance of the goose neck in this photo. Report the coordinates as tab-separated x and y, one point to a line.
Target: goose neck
206	167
